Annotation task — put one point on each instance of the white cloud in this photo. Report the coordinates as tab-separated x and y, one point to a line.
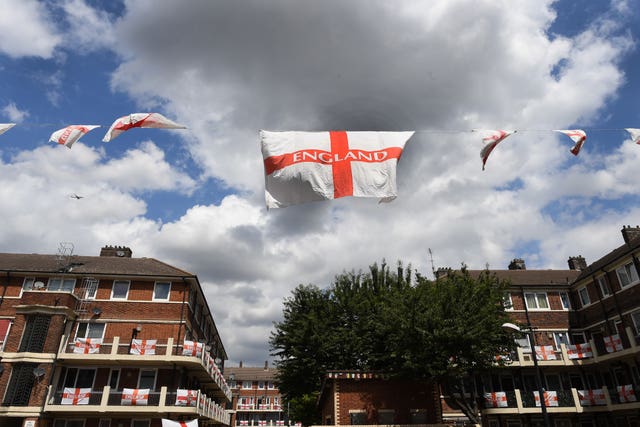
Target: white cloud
88	28
27	29
14	113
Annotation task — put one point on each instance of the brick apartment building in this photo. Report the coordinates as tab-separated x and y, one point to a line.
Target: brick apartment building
585	325
256	399
106	341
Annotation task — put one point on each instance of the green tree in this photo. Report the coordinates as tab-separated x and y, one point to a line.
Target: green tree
393	322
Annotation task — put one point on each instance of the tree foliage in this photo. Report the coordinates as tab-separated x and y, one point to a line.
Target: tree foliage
389	321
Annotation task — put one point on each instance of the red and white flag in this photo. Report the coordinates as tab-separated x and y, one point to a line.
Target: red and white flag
550	398
139	120
67	136
497	399
579	351
186	397
5	127
626	393
493	138
613	343
143	346
303	167
75	396
545	352
635	134
170	423
192	348
87	345
135	396
578	136
592	397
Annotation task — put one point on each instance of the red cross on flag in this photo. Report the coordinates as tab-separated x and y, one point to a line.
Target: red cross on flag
579	351
67	136
613	343
578	136
550	398
493	138
192	348
135	396
87	345
545	352
626	393
262	423
497	399
139	120
303	167
186	397
170	423
143	346
592	397
244	422
75	396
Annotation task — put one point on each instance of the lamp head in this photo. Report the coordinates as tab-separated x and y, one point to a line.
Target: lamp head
510	327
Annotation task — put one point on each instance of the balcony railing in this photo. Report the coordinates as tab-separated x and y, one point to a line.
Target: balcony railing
165	351
563	401
258	407
164	401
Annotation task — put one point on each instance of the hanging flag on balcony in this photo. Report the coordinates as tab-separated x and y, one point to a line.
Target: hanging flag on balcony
496	399
171	423
192	348
135	396
244	422
626	393
592	397
186	397
545	352
262	423
75	396
143	346
550	398
87	345
613	343
579	351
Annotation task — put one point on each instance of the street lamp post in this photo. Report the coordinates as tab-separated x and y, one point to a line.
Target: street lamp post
543	407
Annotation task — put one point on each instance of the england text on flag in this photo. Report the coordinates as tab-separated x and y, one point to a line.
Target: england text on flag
307	166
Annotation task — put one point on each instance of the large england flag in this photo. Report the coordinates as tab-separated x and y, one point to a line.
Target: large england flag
171	423
308	166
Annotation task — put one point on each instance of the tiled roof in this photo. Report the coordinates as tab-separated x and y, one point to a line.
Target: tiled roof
107	265
609	258
249	373
533	277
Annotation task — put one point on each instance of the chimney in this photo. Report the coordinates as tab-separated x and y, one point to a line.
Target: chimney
240	366
442	272
266	365
577	263
116	251
630	233
517	264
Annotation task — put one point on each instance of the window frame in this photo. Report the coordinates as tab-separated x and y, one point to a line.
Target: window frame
247	388
155	287
603	284
565	301
536	295
636	324
629	270
155	377
61	287
580	296
113	289
89	326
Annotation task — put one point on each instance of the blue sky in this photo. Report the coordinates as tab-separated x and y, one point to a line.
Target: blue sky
226	69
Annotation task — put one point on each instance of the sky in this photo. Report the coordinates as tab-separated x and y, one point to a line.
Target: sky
226	69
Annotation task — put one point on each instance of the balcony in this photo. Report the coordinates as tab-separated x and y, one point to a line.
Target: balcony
111	402
244	407
166	353
562	401
600	351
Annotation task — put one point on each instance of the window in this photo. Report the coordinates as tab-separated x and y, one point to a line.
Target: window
418	416
537	301
233	384
627	274
561	338
247	385
604	286
260	385
386	416
20	385
104	422
564	299
91	288
635	316
584	296
358	417
507	301
90	330
69	423
114	377
79	378
140	423
147	379
27	285
524	344
5	324
58	284
270	385
120	289
161	291
578	338
35	333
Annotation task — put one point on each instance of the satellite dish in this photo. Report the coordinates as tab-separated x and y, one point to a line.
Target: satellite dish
38	372
38	285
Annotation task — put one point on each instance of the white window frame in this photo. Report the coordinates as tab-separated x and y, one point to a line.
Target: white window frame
244	385
536	296
75	379
635	318
628	270
27	283
557	337
155	286
565	301
87	331
155	377
261	385
271	385
113	371
524	344
62	282
582	296
233	384
605	289
113	288
508	302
